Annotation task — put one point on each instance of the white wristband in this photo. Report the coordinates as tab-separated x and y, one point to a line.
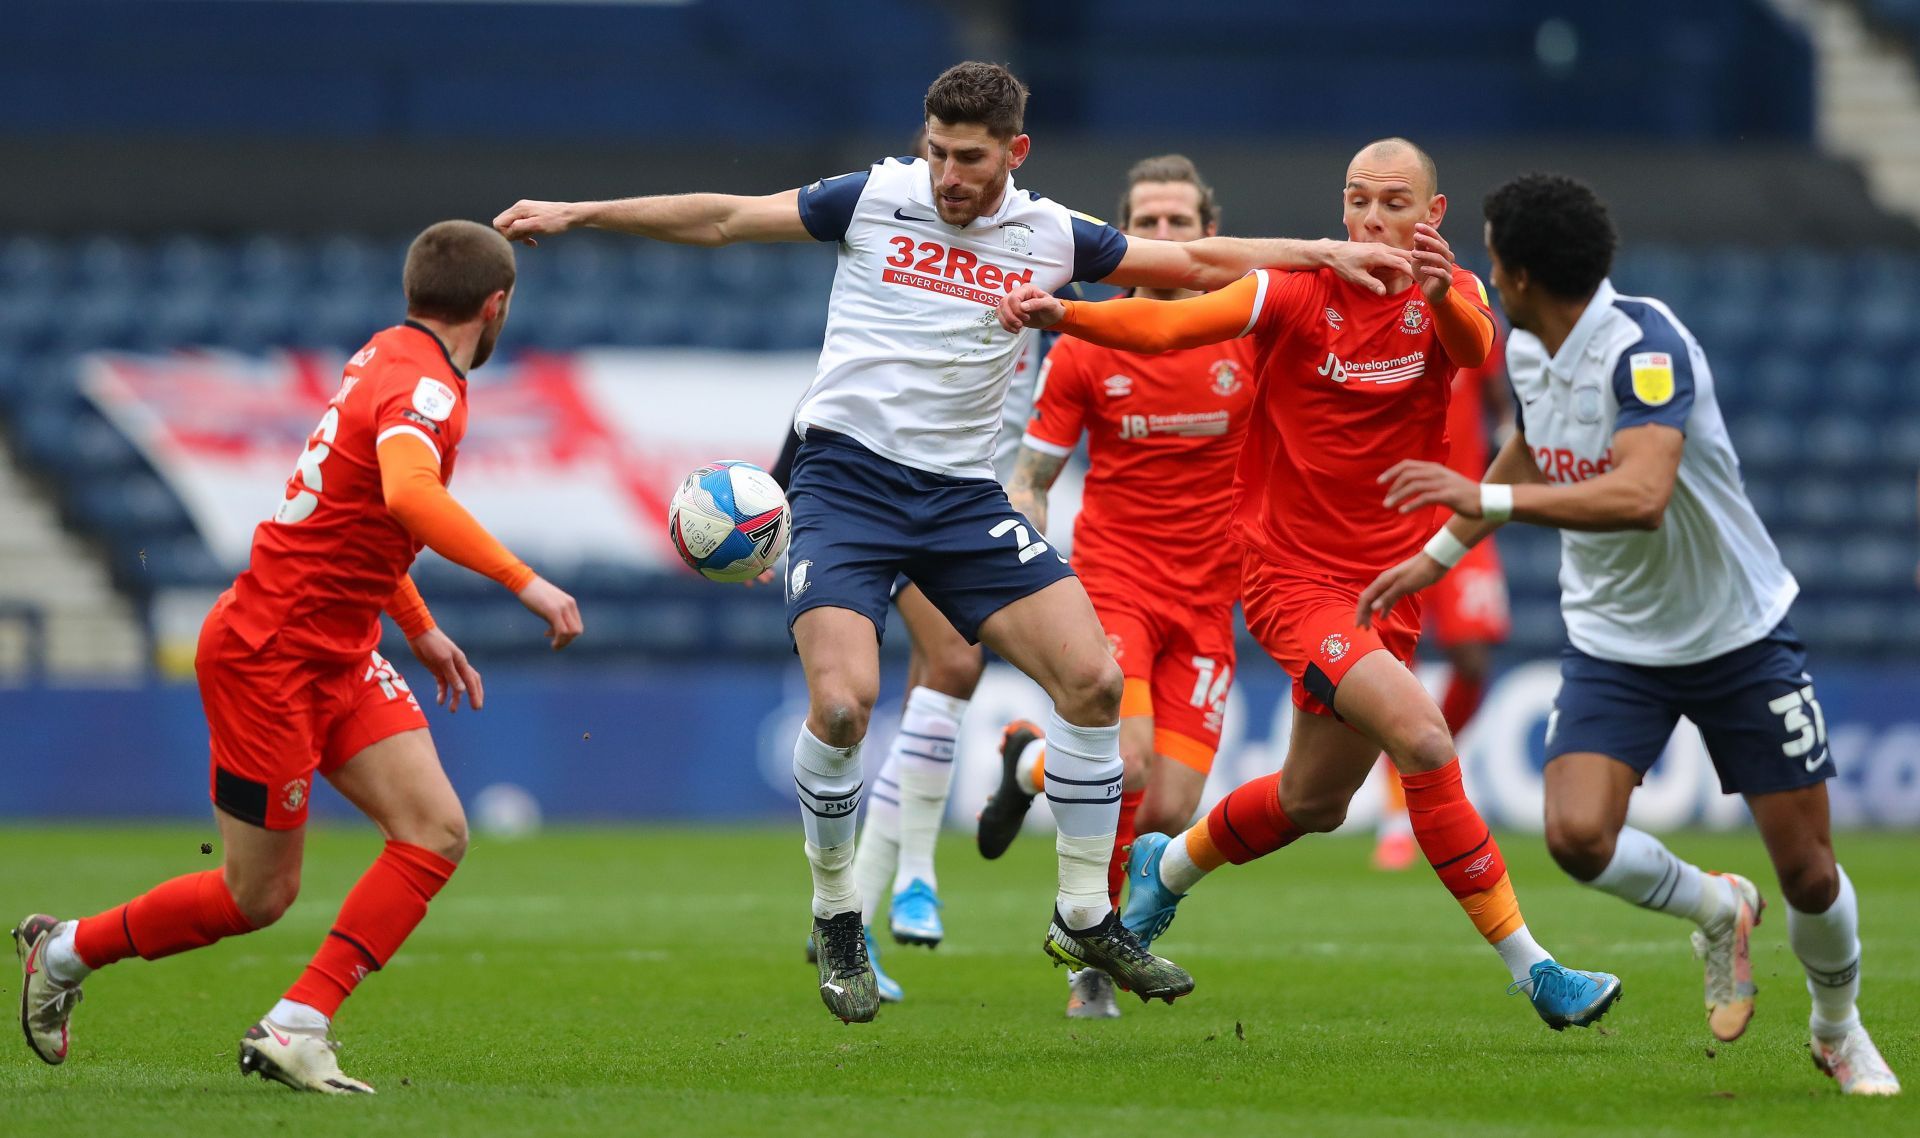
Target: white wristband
1496	501
1445	548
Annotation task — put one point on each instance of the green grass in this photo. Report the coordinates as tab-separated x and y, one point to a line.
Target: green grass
615	982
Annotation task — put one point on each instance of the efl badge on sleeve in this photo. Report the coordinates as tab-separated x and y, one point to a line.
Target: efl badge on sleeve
433	399
1652	377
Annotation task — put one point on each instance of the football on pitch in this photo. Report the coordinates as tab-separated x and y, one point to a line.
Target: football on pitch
729	520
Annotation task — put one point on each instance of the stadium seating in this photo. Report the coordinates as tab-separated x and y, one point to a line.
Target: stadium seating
1813	353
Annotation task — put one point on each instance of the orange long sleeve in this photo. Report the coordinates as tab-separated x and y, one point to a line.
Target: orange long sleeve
409	610
1138	325
410	482
1464	331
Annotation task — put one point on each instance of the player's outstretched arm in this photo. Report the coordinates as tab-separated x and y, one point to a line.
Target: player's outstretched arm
685	219
410	483
453	677
1215	262
1135	324
1632	495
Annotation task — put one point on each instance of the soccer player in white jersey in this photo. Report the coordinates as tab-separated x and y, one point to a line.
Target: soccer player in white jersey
1675	601
895	476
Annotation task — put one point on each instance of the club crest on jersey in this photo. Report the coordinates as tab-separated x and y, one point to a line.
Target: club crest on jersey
1652	377
1334	319
1018	237
1119	386
1334	647
294	794
1115	647
797	582
1413	318
1226	377
433	399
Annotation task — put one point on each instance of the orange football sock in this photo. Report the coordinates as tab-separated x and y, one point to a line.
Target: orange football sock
1461	849
383	908
1247	823
174	916
1459	703
1122	838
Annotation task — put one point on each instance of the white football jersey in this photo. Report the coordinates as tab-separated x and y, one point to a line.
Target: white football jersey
915	366
1709	580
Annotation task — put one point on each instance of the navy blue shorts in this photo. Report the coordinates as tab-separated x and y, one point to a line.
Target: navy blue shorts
860	520
1754	706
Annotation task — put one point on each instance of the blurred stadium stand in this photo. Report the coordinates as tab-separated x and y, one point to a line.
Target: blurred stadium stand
214	172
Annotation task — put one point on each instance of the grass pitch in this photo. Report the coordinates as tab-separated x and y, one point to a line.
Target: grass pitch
621	982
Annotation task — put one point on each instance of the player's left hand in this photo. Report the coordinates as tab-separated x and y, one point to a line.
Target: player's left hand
1414	485
1371	265
1031	306
1403	580
525	220
1433	263
453	677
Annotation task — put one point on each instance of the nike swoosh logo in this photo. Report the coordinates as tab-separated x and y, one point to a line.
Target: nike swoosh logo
284	1040
1814	764
901	215
34	955
834	988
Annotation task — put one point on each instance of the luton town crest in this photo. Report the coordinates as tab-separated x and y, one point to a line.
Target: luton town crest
1226	377
1413	318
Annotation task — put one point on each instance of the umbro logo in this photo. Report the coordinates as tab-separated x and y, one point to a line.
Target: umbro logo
1334	319
1479	865
1119	386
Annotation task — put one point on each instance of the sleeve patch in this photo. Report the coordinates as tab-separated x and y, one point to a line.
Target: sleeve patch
433	399
1652	377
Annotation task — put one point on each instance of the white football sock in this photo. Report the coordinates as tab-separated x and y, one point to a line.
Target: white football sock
1520	952
1083	773
1177	871
1828	945
923	750
828	782
63	959
290	1013
879	847
1646	873
1027	763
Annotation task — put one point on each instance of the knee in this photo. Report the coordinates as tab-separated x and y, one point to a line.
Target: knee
1318	815
444	836
1581	844
840	716
1160	817
1427	747
1139	764
263	900
1090	692
1812	886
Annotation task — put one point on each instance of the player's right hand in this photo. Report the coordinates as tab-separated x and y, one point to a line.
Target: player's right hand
1403	580
1031	306
1380	269
556	608
525	220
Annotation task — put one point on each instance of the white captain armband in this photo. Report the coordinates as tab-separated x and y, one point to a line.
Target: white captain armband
1445	548
1496	501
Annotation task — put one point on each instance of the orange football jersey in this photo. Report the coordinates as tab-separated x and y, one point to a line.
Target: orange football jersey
322	568
1349	384
1164	434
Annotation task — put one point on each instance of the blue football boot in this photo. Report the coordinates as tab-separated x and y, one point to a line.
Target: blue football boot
1150	904
914	915
1566	997
887	986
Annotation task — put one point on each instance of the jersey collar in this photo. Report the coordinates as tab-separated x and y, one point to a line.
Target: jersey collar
438	343
1566	361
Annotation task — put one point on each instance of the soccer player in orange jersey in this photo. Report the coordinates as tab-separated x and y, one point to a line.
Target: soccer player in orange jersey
1468	613
1349	382
1164	434
292	684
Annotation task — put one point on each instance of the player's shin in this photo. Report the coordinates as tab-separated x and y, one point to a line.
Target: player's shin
385	906
1646	873
1083	773
1828	945
185	913
827	780
923	752
1462	851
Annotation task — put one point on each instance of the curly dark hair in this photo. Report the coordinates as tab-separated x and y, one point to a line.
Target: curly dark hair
1554	228
984	93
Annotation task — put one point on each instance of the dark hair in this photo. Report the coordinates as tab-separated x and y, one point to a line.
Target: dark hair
1168	168
1554	228
984	93
453	267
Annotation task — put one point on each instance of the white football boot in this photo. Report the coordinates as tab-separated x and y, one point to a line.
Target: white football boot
299	1057
46	1004
1855	1063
